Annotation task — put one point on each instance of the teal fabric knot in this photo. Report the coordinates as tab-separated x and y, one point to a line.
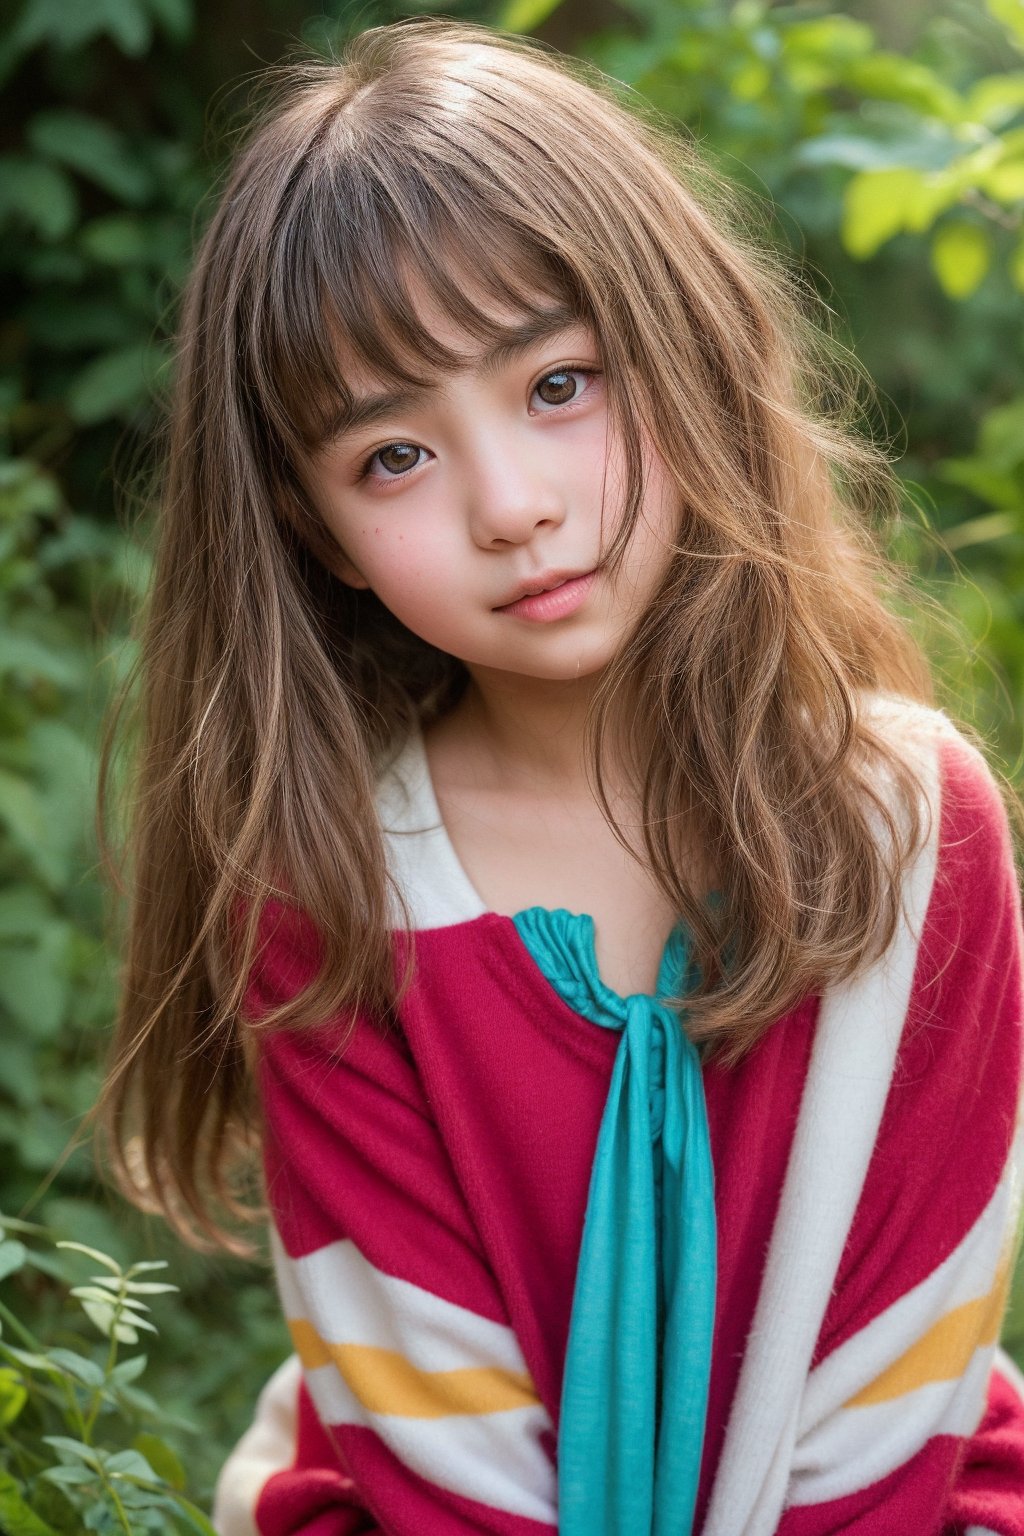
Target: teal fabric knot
634	1393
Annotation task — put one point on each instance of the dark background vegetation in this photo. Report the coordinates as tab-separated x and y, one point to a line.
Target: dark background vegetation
886	145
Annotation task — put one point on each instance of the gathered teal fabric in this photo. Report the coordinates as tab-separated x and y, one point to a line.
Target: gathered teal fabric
634	1395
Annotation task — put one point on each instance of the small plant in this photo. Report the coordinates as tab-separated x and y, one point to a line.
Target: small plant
74	1450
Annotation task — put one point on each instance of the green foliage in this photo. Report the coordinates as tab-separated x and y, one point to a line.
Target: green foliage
897	174
74	1450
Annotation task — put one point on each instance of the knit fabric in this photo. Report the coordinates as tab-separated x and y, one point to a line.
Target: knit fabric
428	1185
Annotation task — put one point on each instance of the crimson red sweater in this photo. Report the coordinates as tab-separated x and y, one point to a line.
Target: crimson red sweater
428	1188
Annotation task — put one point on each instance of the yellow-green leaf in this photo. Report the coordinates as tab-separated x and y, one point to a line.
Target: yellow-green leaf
1017	266
1004	182
961	254
875	207
524	15
1011	14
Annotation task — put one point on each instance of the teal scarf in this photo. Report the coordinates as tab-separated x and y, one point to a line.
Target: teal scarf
634	1394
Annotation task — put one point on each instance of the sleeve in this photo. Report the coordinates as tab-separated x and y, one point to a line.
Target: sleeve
284	1475
908	1421
411	1408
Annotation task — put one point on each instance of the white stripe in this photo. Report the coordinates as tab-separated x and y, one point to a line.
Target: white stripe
268	1446
856	1447
859	1029
349	1301
968	1274
421	860
495	1458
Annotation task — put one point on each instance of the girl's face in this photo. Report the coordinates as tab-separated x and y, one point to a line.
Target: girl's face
503	479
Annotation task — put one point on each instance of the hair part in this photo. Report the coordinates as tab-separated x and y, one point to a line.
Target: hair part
271	693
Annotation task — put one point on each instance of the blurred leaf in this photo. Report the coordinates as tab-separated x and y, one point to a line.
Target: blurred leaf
16	1517
875	207
12	1257
24	911
29	659
93	148
175	16
1017	265
525	15
66	27
162	1459
35	982
980	530
996	100
38	195
110	386
895	78
961	254
1011	14
1004	181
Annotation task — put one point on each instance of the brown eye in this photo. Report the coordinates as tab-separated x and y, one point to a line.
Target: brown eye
558	388
397	457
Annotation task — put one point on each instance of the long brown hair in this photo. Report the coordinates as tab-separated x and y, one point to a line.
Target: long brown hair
270	692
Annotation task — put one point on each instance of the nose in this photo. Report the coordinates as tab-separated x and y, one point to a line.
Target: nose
513	493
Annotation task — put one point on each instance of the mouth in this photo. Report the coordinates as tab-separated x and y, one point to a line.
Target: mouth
548	597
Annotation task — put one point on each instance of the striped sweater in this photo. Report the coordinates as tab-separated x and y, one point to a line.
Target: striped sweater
428	1186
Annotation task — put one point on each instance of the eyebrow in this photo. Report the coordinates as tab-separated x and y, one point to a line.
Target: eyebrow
511	343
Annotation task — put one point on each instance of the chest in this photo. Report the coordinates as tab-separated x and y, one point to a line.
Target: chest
528	852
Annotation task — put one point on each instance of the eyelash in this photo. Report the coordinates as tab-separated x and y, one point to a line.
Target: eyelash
589	373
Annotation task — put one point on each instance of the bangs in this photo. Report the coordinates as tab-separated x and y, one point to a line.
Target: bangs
367	255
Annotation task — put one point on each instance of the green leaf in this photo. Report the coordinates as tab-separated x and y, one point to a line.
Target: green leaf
525	15
196	1519
1004	181
112	385
12	1257
69	1476
16	1518
66	27
1011	14
35	981
93	148
875	207
29	659
175	16
1017	265
129	1370
37	195
78	1366
75	1450
91	1253
961	254
130	1464
996	99
891	77
162	1459
13	1397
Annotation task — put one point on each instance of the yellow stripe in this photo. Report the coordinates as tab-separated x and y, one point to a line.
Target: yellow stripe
385	1382
945	1351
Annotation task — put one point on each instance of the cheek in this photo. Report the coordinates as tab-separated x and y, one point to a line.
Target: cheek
411	574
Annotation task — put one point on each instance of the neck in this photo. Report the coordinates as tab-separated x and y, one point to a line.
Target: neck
531	730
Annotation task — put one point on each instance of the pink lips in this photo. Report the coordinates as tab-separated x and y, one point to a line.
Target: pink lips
557	603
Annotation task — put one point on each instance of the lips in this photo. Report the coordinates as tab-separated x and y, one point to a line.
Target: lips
547	604
548	581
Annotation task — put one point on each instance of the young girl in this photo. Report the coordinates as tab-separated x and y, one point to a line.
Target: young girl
543	839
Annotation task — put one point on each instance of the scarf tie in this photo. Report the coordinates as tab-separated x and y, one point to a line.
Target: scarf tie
634	1393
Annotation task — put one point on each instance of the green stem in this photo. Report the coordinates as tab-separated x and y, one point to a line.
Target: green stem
18	1327
96	1400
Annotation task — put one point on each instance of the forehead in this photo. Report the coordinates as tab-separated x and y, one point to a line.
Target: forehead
425	342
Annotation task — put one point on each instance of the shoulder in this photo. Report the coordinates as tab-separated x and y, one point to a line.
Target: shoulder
961	797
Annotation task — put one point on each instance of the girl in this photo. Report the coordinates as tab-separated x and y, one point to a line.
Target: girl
543	839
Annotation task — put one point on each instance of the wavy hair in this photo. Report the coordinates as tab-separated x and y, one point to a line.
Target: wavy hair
270	693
